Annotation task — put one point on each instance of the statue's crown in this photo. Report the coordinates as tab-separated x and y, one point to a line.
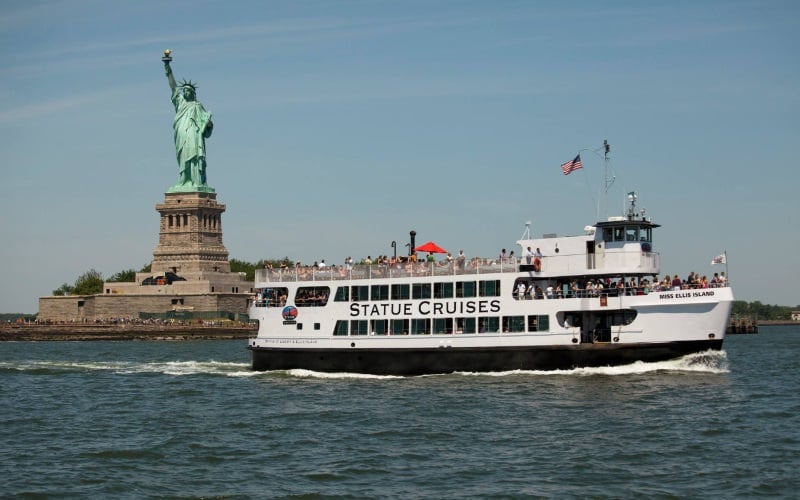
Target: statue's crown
188	83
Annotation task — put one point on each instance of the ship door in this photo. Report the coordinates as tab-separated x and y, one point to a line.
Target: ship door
590	255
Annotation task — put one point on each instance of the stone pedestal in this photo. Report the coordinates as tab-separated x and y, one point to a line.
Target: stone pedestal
190	235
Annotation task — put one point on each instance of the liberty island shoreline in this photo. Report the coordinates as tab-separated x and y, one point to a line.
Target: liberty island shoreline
25	332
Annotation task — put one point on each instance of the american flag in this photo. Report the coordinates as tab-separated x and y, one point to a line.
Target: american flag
572	165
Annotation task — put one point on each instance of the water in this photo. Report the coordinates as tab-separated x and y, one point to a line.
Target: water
189	420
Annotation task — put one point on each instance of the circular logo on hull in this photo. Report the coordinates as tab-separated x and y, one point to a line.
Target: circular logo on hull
289	313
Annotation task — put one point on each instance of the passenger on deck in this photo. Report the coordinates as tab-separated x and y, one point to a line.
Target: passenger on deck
461	260
529	256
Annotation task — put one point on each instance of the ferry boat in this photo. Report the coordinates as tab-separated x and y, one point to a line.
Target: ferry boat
565	302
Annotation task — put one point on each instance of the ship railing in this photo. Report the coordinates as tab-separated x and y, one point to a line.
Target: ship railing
376	271
563	264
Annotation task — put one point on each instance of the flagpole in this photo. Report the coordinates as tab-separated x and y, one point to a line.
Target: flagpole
606	149
727	274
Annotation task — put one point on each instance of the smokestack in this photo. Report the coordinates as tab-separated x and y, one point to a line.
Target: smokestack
413	243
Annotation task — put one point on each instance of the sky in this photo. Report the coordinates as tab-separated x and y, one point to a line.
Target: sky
341	125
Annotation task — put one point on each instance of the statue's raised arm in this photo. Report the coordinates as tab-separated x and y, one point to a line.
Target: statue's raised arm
168	59
192	126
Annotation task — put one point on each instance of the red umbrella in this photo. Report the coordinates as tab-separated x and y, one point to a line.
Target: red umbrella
430	247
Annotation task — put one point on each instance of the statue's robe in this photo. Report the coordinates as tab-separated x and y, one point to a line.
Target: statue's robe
192	125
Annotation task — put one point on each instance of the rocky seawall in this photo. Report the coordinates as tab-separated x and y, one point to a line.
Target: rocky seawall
69	332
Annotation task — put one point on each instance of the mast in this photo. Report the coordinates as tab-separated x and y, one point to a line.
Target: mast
606	150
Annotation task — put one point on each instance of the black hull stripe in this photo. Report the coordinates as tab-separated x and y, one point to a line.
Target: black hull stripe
448	360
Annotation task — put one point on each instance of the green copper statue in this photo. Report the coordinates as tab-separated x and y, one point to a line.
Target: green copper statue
192	127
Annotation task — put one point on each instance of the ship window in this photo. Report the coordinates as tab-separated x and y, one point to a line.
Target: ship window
632	234
466	289
299	326
359	293
317	326
401	292
538	323
380	292
465	325
359	327
420	326
341	327
490	288
646	234
442	290
619	235
513	323
379	326
624	317
489	325
421	291
312	296
275	297
399	327
342	294
443	325
607	234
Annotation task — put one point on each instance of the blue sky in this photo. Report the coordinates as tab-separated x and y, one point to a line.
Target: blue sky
339	126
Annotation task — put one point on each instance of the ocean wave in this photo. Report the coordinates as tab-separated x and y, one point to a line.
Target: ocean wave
175	368
703	362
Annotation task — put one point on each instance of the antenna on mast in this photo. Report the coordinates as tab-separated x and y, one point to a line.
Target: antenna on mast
607	182
527	234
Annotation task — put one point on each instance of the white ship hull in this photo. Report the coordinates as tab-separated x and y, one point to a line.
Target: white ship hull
666	325
576	301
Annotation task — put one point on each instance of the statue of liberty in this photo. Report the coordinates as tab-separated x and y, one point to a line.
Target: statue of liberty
192	127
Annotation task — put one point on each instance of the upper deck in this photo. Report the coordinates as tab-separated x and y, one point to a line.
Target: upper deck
554	266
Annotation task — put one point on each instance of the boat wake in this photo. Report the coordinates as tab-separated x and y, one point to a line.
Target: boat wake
176	368
702	362
301	373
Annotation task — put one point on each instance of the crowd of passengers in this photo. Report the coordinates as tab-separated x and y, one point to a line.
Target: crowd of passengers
273	297
598	287
411	264
528	290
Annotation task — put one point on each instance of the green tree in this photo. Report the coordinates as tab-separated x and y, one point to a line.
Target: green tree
89	283
126	276
64	289
240	266
249	269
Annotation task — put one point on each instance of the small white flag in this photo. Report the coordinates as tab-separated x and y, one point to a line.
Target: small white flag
719	259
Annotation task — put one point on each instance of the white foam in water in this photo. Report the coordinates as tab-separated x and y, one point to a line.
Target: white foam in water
125	367
341	375
705	362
